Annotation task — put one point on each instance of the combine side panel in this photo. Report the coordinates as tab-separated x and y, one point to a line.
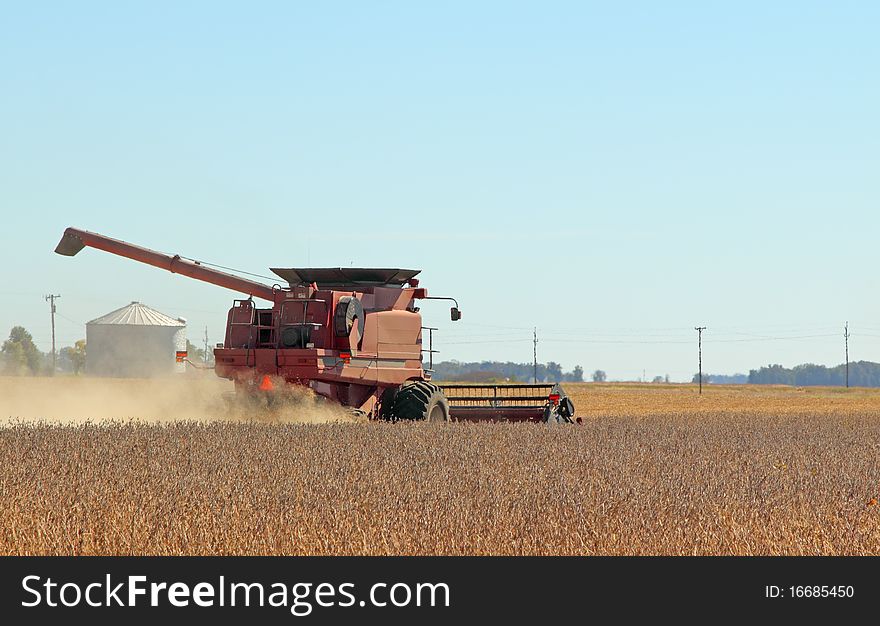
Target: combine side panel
510	403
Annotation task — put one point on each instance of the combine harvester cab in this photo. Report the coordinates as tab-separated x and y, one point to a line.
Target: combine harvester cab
352	335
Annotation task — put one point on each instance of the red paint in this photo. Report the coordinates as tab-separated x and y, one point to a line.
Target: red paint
298	338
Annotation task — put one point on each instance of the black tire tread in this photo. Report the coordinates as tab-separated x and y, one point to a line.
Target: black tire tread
413	401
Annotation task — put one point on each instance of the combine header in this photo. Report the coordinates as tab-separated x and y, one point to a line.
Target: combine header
510	402
352	335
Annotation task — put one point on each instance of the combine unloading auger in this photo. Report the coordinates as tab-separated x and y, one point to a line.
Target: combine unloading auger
353	335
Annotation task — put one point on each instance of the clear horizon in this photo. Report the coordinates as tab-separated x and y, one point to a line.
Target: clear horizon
614	176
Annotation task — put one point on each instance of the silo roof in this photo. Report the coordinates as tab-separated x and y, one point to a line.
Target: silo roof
137	314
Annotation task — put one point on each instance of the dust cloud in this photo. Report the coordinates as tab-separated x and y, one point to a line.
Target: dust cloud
202	397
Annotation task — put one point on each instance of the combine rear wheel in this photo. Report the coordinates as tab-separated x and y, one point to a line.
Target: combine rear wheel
420	401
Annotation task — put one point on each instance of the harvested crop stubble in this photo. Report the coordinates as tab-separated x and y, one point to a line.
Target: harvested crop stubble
723	484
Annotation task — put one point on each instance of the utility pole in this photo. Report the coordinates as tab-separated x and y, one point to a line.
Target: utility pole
700	330
206	345
535	352
51	300
846	344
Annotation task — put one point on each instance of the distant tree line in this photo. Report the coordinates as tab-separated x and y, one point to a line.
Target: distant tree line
495	371
19	356
722	379
861	374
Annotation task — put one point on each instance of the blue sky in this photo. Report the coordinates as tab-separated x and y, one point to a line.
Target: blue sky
612	173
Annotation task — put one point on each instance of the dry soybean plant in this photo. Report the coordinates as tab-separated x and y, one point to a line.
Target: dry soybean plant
719	483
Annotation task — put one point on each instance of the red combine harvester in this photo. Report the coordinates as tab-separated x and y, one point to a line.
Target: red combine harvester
353	335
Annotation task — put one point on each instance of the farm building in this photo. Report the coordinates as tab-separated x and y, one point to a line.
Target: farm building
135	341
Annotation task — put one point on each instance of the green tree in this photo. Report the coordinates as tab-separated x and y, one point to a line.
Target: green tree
861	374
20	354
14	361
74	357
194	353
457	371
599	376
554	372
772	375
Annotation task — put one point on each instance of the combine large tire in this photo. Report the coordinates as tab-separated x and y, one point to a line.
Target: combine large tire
420	401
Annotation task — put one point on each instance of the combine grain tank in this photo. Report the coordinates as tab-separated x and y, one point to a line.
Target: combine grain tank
353	335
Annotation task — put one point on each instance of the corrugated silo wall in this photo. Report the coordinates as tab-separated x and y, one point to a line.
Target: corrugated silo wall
129	351
179	341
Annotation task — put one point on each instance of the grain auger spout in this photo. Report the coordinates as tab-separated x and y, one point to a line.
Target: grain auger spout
75	240
352	335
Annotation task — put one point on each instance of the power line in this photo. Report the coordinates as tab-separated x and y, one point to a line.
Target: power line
700	330
51	300
64	317
649	331
535	352
797	337
464	343
599	337
206	346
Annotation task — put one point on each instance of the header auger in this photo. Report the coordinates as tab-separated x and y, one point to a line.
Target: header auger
353	335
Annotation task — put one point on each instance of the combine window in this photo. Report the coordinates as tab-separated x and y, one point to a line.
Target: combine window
239	326
265	328
302	323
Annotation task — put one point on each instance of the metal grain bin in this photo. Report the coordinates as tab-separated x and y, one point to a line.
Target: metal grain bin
135	341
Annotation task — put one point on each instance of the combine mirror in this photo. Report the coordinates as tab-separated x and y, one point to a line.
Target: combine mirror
455	314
